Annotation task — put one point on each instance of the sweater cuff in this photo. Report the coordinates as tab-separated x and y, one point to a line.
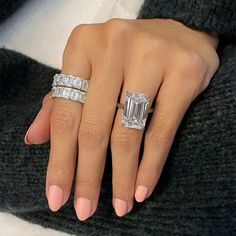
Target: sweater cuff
213	16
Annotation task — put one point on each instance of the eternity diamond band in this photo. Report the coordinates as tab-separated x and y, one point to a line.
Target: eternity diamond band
68	93
70	81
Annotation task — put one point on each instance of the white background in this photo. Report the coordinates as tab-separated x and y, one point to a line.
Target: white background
40	30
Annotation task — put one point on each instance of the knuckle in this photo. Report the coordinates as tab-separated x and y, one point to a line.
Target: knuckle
159	45
78	38
152	41
215	59
151	53
192	61
58	171
197	61
152	47
62	119
123	141
116	31
117	24
74	41
205	83
83	182
79	31
159	137
46	98
215	62
189	69
122	190
113	21
91	136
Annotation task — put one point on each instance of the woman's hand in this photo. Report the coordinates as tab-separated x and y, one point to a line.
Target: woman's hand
163	58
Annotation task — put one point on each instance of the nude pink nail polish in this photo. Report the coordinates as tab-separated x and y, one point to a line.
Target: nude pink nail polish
55	197
121	207
26	136
66	197
83	208
141	193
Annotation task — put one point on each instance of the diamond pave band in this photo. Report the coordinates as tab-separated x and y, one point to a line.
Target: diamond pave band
70	81
68	93
135	111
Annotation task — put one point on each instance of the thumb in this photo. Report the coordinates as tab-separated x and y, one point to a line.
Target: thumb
39	130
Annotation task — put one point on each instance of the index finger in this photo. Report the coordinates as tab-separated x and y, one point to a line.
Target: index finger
64	126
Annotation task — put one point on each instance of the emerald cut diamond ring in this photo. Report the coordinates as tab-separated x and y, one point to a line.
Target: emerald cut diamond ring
136	109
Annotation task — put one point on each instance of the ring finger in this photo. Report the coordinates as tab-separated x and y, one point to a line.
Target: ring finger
125	142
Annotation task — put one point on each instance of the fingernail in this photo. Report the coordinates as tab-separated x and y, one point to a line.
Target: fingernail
55	197
121	207
141	193
66	197
83	208
26	136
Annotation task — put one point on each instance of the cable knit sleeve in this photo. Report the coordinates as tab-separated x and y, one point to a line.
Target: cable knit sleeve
213	16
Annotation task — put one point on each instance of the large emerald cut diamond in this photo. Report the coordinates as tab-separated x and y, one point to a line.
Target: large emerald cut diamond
135	110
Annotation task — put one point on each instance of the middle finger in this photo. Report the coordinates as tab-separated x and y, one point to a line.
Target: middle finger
94	132
125	142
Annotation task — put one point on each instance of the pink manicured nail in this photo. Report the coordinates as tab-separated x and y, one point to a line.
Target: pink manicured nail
121	207
55	197
141	193
66	197
83	208
26	136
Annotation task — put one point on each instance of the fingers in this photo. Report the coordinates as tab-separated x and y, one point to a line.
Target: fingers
39	130
64	125
125	142
63	150
94	132
175	95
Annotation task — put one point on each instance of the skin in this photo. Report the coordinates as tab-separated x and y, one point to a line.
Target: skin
161	57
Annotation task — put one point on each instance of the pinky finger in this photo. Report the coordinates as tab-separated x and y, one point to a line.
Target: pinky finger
172	102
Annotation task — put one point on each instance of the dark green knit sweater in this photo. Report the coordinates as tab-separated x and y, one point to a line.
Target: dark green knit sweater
196	194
